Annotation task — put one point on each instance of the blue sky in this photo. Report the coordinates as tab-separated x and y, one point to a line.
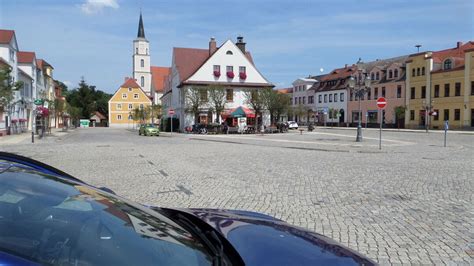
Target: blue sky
288	39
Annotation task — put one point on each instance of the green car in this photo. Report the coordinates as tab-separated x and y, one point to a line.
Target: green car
148	130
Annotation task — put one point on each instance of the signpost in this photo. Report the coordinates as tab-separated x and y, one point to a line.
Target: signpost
325	112
171	113
381	103
446	127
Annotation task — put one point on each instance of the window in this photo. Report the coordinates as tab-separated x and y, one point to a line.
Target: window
395	73
217	68
436	91
413	72
335	97
447	64
146	50
412	93
304	99
351	96
423	71
412	114
369	92
229	52
457	89
376	93
418	71
142	63
230	69
341	97
299	100
130	106
372	76
320	99
377	76
457	114
436	117
135	96
423	92
330	98
124	96
446	90
142	81
390	74
119	117
129	89
141	106
399	91
129	117
136	50
383	91
229	95
203	95
446	114
325	98
472	87
310	99
242	69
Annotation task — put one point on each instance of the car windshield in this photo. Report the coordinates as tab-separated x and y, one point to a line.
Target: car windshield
53	221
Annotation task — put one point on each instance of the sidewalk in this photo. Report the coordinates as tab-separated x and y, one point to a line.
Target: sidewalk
26	137
400	130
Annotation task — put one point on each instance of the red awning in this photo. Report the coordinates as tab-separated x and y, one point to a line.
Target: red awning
248	112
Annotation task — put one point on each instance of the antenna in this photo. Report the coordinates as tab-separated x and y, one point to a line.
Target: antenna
418	47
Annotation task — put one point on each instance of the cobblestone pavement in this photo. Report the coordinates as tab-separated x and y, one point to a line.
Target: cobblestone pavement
409	203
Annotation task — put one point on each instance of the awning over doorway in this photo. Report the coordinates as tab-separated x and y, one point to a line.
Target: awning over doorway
239	112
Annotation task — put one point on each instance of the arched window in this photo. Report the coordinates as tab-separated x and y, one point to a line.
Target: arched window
390	73
418	71
448	64
372	76
229	52
142	63
146	50
395	74
136	50
423	71
377	76
413	72
142	81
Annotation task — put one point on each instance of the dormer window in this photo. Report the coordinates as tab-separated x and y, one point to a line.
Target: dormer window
229	52
372	76
448	64
390	73
395	73
377	76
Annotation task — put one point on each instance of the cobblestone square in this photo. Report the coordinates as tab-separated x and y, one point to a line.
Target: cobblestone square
409	203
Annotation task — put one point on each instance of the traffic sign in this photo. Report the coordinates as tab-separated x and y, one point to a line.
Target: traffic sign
381	103
170	112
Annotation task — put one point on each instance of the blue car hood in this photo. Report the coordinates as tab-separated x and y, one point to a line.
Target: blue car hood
264	240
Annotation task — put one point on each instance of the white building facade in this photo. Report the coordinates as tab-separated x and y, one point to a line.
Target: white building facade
302	100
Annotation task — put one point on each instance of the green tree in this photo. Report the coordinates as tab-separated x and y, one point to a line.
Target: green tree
218	99
399	114
8	89
300	110
194	102
255	98
74	114
88	99
276	103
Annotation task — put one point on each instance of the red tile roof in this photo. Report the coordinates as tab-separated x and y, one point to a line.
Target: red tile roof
26	57
189	60
130	83
42	63
6	36
284	90
339	73
456	52
159	76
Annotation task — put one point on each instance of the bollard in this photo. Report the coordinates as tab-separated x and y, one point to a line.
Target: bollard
32	136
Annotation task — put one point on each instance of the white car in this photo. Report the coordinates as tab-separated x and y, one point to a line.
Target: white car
292	125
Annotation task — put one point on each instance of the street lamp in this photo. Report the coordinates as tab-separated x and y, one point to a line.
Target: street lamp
359	83
427	106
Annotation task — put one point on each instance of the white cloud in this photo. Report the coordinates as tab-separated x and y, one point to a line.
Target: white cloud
91	7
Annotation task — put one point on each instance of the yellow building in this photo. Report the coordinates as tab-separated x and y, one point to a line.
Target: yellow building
127	98
440	87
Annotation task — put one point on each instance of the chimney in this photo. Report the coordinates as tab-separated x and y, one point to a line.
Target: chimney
212	46
458	44
240	43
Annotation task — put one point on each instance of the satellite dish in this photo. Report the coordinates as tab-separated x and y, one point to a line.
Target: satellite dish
321	70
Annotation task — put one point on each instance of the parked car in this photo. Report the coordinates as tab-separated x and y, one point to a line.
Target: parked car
49	217
292	125
148	130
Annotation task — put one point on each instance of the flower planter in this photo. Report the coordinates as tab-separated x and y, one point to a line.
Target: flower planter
230	74
243	76
217	73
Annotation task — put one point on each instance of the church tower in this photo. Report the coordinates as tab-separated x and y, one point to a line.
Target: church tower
141	60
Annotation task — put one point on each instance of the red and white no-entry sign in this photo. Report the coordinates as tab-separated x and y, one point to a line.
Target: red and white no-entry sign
381	103
170	112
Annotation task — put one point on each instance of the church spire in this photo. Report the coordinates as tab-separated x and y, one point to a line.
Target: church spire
141	29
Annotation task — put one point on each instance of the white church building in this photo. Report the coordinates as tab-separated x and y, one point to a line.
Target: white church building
229	66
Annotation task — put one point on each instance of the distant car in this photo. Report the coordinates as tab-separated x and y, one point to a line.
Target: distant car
292	125
48	217
148	130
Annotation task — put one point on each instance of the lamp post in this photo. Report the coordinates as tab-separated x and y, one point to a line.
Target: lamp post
359	83
427	106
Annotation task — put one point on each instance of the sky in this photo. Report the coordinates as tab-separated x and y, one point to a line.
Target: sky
288	39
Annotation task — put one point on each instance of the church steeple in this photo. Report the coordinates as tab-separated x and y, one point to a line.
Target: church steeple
141	29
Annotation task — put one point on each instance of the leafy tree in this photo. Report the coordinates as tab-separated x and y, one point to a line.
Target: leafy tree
194	102
256	99
8	89
218	99
400	114
300	110
156	111
88	99
74	113
276	103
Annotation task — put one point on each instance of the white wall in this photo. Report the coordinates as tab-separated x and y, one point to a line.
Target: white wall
332	105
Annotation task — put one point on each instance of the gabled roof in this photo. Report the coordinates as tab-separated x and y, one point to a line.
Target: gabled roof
456	52
189	60
159	76
6	36
26	57
42	63
100	115
130	83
